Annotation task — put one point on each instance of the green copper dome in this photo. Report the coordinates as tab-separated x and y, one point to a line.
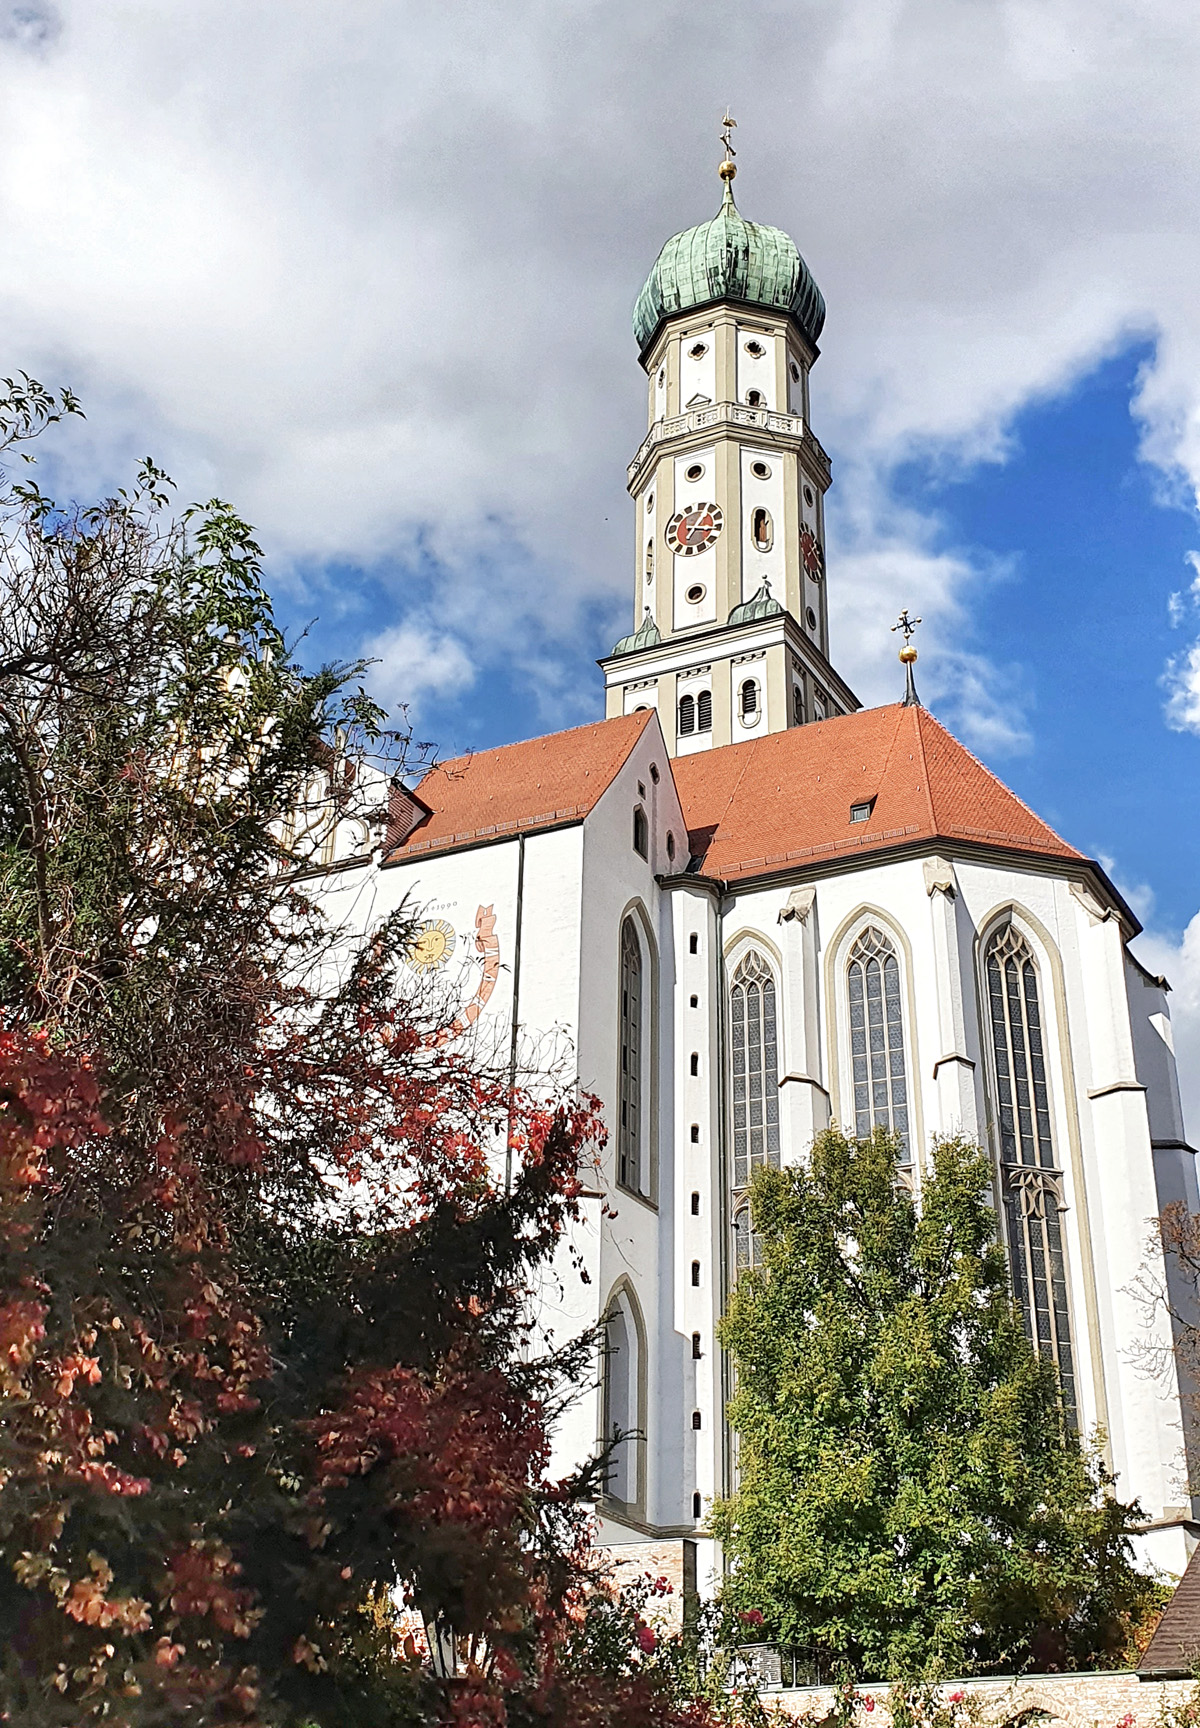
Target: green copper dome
648	635
728	259
762	605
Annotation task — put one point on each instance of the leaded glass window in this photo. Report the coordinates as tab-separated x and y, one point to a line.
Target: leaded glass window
755	1069
629	1137
747	1244
877	1039
1032	1185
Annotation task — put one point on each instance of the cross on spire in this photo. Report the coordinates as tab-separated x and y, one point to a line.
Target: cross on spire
908	656
728	167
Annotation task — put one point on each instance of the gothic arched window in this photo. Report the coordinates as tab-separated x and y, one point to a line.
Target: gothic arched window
1033	1193
629	1126
687	715
747	1244
621	1394
704	711
755	1069
877	1038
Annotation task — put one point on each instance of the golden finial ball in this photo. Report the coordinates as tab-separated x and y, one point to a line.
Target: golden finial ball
907	654
727	170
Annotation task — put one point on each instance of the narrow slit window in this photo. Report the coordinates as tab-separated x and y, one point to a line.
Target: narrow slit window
762	530
641	833
696	1272
704	711
749	699
695	1346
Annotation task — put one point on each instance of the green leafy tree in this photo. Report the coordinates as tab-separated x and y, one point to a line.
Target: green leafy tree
909	1501
265	1347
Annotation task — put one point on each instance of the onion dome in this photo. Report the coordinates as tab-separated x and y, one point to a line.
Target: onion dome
761	605
648	635
728	259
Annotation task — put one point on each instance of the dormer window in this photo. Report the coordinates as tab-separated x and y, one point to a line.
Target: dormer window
862	812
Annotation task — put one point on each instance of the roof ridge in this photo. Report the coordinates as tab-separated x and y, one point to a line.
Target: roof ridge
539	738
992	775
925	780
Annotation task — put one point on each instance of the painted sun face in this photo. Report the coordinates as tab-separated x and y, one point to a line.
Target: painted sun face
694	529
432	945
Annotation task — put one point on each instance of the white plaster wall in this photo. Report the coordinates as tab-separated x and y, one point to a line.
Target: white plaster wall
697	371
1103	1145
701	567
641	695
750	666
756	372
637	1240
796	391
691	683
658	392
769	494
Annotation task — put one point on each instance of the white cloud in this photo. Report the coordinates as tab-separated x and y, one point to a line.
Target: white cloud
413	661
367	268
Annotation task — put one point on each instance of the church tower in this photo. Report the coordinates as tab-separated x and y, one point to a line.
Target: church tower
731	626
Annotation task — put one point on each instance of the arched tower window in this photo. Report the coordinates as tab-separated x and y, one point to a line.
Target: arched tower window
704	711
622	1412
762	531
629	1126
1033	1193
687	715
748	697
877	1038
755	1069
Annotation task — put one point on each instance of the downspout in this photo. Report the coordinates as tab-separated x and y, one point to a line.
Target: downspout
516	1012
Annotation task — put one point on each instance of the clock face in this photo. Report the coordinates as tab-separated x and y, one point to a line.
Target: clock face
694	529
811	554
432	945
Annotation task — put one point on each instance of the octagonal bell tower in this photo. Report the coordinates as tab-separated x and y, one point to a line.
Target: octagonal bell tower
731	630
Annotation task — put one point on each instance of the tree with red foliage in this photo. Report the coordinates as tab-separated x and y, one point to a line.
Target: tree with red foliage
267	1356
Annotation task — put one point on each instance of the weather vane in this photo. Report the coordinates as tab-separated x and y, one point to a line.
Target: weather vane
728	168
908	656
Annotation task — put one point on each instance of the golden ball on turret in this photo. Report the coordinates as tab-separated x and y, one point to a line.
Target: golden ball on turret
727	170
907	654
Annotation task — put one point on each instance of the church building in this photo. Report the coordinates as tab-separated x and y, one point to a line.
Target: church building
744	906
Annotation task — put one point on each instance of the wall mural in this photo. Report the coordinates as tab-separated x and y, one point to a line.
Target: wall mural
431	949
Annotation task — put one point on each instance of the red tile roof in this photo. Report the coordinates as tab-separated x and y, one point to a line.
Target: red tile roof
520	787
785	799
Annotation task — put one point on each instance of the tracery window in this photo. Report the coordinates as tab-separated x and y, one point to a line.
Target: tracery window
629	1135
747	1244
877	1039
755	1069
1031	1182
